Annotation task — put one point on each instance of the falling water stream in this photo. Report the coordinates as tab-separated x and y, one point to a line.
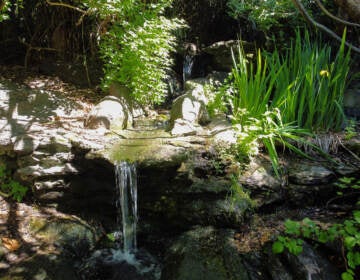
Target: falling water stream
126	260
187	67
126	203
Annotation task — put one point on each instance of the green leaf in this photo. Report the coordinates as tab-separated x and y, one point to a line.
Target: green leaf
347	275
277	247
292	227
357	216
350	242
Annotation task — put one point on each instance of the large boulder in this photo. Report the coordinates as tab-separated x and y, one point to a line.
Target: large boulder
110	112
188	110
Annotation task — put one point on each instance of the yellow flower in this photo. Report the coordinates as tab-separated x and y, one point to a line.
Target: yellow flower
324	73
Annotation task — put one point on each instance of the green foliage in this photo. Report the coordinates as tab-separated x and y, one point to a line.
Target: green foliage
275	18
6	6
350	130
238	196
264	13
4	10
136	48
310	84
348	233
9	187
285	97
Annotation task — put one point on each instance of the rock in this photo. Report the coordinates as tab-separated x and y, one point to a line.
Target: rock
204	253
264	187
115	264
352	101
29	173
354	145
73	236
50	242
123	93
183	127
277	269
307	195
309	173
55	143
221	53
25	144
222	130
311	265
188	110
110	112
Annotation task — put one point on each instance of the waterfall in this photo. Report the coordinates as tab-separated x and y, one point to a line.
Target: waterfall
187	66
126	186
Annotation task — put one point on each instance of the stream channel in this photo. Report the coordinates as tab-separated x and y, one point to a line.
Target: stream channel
153	206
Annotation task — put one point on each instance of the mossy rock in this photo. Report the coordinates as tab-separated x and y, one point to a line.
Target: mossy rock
204	253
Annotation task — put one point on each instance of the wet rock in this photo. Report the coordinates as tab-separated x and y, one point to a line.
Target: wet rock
309	173
113	264
111	111
74	237
311	265
204	253
277	269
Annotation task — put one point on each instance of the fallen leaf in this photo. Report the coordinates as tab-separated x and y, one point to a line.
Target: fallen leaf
10	244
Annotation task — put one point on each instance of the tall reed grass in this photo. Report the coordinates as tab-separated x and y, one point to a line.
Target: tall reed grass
283	97
310	83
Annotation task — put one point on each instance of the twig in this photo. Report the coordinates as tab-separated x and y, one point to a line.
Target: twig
66	5
326	12
339	197
30	48
118	134
84	56
323	28
350	152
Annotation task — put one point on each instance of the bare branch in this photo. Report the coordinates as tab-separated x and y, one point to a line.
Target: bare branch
326	12
66	5
323	28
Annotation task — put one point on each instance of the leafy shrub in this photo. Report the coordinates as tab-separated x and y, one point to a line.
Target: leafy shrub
9	187
137	45
272	17
6	6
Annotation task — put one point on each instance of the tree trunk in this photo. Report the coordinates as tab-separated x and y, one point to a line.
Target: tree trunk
351	8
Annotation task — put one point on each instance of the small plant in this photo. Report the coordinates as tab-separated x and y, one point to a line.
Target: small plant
238	196
9	187
347	233
350	130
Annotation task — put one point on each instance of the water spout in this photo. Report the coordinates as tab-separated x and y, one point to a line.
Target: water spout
126	186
